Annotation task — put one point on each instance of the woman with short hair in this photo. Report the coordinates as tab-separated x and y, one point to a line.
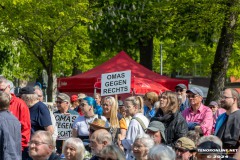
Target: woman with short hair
112	152
168	113
161	152
73	149
150	98
141	146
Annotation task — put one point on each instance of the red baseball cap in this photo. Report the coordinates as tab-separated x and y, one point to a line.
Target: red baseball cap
74	98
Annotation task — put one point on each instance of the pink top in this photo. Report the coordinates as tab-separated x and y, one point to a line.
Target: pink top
203	116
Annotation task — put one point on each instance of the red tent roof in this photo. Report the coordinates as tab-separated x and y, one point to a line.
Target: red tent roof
85	82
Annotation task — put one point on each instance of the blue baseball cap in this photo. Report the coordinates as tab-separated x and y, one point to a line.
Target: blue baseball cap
195	90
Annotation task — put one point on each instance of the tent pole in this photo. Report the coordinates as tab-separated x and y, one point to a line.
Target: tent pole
95	91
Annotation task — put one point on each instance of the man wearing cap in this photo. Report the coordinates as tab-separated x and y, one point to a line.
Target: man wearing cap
74	102
39	92
20	110
156	131
216	112
182	96
63	106
184	148
78	108
198	116
39	113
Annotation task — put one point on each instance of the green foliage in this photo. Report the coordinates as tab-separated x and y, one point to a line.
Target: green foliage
47	32
119	25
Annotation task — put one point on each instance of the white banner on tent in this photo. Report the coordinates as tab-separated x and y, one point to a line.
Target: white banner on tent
116	83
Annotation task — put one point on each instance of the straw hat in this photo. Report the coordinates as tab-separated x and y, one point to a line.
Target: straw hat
99	124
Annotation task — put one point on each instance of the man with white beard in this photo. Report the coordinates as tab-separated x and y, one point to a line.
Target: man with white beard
182	96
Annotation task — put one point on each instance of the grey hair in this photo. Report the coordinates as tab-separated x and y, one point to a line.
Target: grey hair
161	152
112	150
29	99
4	80
103	135
146	140
78	145
4	101
46	136
210	138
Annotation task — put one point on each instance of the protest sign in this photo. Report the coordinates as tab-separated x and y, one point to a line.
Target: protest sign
116	83
64	125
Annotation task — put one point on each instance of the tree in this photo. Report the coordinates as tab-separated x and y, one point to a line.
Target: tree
128	25
43	27
224	50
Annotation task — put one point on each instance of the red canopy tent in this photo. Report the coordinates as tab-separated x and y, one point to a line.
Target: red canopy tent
85	82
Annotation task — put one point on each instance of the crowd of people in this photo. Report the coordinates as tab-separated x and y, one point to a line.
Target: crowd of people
172	125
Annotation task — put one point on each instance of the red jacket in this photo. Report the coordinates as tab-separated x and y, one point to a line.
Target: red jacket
19	109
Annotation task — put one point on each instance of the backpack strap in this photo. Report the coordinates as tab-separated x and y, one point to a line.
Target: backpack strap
141	122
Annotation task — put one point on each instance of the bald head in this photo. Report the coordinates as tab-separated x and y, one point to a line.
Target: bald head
100	139
102	135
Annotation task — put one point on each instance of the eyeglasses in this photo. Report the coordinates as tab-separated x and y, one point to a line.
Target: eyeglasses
82	104
163	97
59	102
179	90
212	107
40	95
36	143
104	104
2	90
192	95
137	146
225	97
181	149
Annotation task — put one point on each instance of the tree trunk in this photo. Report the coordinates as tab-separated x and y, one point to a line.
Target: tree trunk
49	70
223	52
146	52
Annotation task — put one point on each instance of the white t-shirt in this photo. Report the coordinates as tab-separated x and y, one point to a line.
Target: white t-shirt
134	130
81	124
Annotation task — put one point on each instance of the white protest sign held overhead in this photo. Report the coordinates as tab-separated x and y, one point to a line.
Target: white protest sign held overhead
116	83
64	124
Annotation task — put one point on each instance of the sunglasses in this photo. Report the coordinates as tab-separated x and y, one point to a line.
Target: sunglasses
192	95
181	149
163	97
179	90
59	102
212	107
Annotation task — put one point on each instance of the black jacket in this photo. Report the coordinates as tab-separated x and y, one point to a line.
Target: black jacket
175	126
